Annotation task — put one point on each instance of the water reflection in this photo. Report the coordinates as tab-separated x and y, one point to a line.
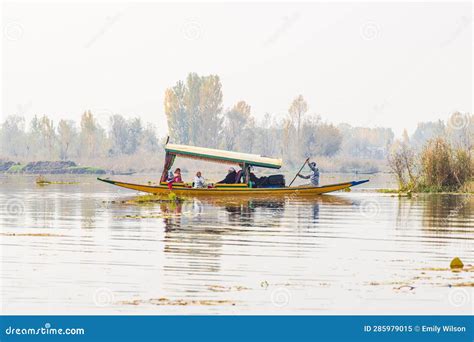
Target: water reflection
441	211
74	239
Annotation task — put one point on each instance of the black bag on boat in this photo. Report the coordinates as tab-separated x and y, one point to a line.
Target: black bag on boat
276	180
261	182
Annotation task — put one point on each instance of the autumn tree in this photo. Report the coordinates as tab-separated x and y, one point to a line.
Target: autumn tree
176	114
67	135
238	128
92	136
13	136
148	140
48	136
194	110
209	120
297	110
320	139
426	131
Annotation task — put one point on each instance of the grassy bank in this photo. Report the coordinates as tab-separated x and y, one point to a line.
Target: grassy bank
439	167
48	167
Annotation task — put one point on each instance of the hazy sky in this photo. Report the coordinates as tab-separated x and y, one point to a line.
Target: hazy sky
371	64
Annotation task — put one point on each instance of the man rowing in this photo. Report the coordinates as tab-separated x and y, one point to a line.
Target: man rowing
313	176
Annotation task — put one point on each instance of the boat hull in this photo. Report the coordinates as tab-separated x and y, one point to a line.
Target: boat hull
237	190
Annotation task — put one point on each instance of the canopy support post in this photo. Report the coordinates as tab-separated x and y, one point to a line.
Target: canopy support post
246	172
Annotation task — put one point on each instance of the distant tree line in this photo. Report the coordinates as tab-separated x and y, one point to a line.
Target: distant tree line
195	115
42	139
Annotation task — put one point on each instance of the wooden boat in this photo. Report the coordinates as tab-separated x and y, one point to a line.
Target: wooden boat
243	160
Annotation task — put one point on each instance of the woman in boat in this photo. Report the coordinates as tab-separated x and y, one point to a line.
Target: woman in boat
176	179
230	178
313	176
199	181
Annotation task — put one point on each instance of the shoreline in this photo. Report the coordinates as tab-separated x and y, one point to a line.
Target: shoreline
55	168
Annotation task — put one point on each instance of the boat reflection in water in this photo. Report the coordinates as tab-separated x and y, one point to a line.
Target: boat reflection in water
244	212
202	235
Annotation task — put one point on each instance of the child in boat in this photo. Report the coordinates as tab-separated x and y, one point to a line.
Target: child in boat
176	179
313	176
170	176
199	181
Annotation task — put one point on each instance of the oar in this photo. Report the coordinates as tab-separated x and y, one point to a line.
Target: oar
299	171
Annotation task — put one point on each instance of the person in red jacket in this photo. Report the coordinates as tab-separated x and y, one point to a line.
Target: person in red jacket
176	179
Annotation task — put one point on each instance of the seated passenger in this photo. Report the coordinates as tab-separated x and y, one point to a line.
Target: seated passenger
230	178
199	181
176	178
253	178
238	176
170	176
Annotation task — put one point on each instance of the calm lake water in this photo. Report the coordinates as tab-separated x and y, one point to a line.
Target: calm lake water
78	249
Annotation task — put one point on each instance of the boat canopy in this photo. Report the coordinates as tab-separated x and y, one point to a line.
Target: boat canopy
222	156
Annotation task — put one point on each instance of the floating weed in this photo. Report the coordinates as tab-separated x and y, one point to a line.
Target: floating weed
178	302
220	288
468	284
42	181
157	198
139	217
29	234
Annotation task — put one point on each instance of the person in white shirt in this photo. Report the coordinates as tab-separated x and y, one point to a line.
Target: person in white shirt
199	181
